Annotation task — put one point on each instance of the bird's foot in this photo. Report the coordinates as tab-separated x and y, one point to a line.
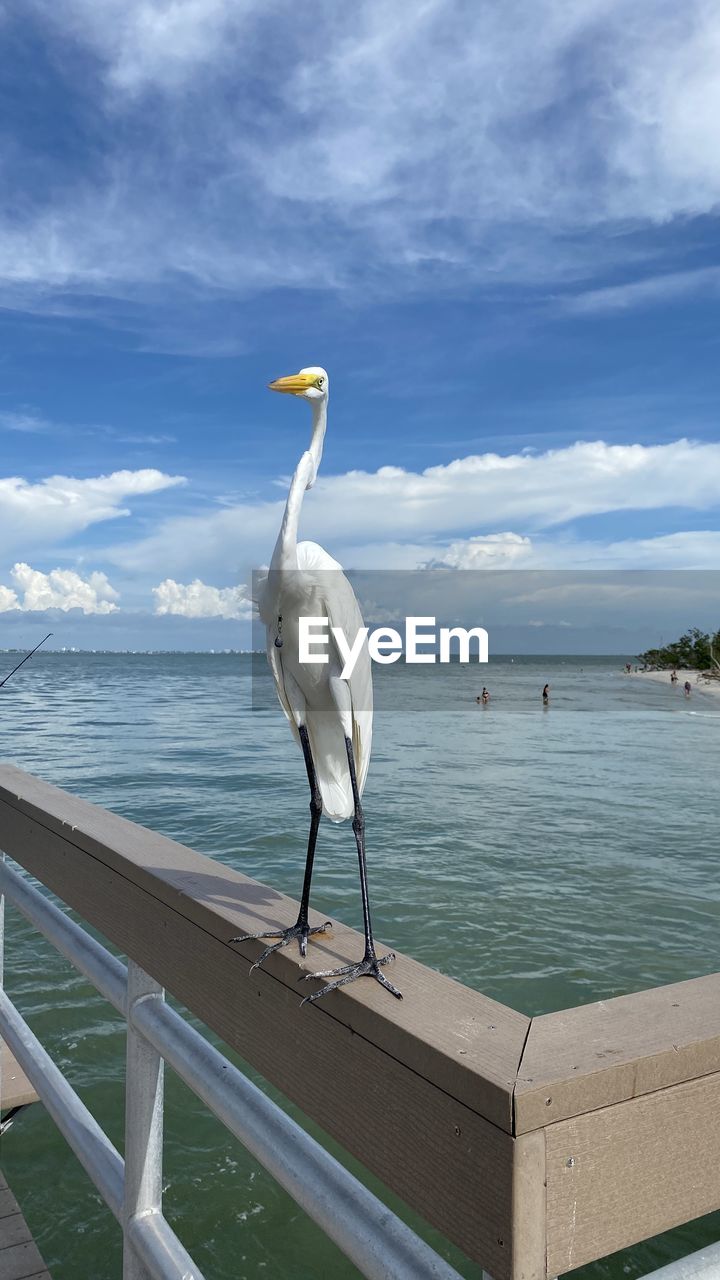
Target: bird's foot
368	967
301	930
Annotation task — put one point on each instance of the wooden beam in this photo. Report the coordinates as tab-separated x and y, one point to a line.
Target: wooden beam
581	1059
630	1171
530	1208
15	1088
534	1146
468	1043
405	1087
19	1255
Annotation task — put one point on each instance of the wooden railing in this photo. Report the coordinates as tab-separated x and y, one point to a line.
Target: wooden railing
534	1144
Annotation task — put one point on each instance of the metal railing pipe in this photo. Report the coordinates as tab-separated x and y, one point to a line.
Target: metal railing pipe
144	1091
102	969
375	1239
703	1265
155	1242
94	1150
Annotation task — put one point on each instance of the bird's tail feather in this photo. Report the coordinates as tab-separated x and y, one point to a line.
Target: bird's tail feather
327	744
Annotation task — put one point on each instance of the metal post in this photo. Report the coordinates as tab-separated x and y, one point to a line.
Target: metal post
143	1122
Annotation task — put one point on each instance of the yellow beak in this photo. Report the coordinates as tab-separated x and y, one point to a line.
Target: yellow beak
296	385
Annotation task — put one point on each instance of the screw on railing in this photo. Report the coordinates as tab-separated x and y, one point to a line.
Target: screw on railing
143	1122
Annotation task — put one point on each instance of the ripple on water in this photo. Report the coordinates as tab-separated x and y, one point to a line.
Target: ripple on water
546	858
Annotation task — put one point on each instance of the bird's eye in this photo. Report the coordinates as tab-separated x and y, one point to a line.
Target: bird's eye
319	384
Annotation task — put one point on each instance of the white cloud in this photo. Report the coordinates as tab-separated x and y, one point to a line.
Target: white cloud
8	599
643	293
152	43
488	551
197	600
687	549
471	138
23	420
697	549
32	515
470	496
60	589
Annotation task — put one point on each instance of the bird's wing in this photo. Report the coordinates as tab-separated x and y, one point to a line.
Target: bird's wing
311	557
343	611
275	664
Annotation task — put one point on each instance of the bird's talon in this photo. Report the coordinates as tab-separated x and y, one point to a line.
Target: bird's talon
301	931
368	967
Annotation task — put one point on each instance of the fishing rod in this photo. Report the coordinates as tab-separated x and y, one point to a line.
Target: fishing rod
27	655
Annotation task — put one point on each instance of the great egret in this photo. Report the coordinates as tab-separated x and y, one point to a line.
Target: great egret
330	717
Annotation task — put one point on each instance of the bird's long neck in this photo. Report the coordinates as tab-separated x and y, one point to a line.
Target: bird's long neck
319	427
285	553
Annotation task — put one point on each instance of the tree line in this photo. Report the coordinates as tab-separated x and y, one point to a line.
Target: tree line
696	649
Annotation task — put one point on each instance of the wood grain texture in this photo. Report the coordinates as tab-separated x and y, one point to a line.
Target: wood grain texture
468	1044
8	1203
22	1262
589	1057
529	1208
13	1230
400	1124
15	1088
627	1172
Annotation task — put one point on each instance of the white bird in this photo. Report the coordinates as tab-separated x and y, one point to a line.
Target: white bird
330	717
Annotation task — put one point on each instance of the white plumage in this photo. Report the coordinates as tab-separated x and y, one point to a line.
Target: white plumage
331	717
330	707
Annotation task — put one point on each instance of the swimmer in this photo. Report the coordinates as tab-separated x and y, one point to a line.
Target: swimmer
546	694
485	696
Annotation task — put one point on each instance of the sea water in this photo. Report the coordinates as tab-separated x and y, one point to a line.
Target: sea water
547	856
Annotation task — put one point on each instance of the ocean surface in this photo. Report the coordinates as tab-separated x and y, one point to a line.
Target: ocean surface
546	856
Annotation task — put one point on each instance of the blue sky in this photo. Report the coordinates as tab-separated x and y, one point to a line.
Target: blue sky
495	225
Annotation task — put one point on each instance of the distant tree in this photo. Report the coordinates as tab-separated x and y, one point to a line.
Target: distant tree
696	649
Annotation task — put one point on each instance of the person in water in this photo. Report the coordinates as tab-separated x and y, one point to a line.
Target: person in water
674	677
485	696
688	688
546	694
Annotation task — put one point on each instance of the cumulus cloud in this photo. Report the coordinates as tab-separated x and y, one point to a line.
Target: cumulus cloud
365	511
387	139
8	599
54	509
60	589
198	600
489	551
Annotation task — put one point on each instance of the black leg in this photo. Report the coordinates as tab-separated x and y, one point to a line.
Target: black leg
369	966
315	815
301	929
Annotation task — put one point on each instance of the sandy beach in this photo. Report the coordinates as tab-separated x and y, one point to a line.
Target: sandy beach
698	684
